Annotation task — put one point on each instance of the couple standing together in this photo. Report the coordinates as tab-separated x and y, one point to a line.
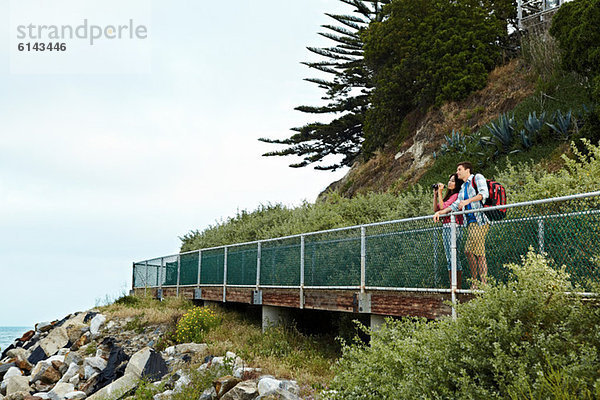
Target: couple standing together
465	191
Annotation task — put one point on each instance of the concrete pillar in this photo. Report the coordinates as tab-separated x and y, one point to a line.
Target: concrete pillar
377	321
274	316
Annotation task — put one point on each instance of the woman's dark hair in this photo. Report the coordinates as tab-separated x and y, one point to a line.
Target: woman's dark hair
457	185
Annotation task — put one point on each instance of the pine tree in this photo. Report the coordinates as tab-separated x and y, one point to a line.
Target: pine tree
347	94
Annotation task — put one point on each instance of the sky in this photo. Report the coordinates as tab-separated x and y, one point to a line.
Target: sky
108	159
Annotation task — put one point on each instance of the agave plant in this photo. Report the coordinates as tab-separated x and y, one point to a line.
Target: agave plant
533	124
503	130
525	140
561	124
455	142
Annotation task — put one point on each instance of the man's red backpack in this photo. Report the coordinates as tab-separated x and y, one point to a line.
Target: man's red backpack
497	197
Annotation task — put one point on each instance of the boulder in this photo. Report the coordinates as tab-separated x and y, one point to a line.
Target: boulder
245	372
24	365
75	395
43	396
17	396
18	353
5	367
224	384
267	384
43	326
147	363
186	348
45	373
37	354
74	331
96	324
181	383
71	372
12	371
89	386
73	357
117	389
208	394
17	384
60	390
27	336
56	340
247	390
278	394
92	365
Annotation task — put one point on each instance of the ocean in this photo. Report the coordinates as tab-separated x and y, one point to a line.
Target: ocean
8	334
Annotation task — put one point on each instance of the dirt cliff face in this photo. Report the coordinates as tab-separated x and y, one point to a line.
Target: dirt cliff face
394	167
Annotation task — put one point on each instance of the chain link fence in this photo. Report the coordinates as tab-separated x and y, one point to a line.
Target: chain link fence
413	253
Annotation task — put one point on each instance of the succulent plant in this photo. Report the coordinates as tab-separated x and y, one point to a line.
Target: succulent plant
503	130
561	124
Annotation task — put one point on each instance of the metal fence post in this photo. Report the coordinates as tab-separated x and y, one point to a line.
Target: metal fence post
520	13
199	268
302	271
178	272
541	234
162	271
453	261
146	281
225	274
363	259
258	255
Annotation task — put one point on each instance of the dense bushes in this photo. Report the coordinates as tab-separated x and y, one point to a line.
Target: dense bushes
426	52
523	181
524	339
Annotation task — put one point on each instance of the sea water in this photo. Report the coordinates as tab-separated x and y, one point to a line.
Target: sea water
8	334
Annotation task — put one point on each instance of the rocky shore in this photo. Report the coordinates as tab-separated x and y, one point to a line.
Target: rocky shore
84	356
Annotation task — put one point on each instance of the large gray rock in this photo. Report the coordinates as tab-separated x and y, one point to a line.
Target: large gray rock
117	389
19	353
56	340
42	395
147	363
224	384
12	371
208	394
267	384
186	348
17	396
75	395
278	394
247	390
96	324
60	390
71	372
17	384
92	365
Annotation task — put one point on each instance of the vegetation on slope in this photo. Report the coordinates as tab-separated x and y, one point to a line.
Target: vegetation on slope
526	339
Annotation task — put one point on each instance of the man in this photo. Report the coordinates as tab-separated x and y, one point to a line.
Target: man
473	194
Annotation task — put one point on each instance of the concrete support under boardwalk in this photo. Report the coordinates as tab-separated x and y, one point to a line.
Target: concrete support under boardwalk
377	321
274	316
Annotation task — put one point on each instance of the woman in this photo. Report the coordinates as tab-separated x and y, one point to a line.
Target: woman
440	203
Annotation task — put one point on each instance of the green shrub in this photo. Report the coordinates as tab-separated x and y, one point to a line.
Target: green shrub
194	324
516	339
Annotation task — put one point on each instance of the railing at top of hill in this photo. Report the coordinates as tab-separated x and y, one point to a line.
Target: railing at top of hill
402	255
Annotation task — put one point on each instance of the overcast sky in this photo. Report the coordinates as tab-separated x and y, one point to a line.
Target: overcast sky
100	170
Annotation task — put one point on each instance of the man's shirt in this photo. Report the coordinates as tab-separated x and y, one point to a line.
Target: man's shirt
468	191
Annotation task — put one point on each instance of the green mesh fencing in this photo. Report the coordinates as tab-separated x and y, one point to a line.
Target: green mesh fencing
189	269
241	264
170	270
280	262
332	258
406	254
212	267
